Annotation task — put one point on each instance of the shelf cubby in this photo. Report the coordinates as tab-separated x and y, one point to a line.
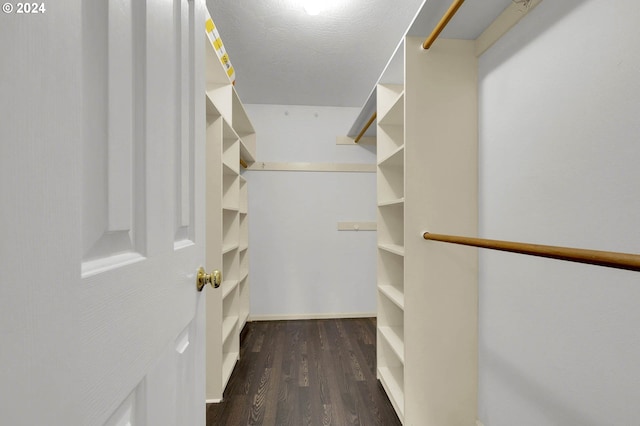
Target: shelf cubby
228	287
390	182
230	190
230	353
230	150
391	224
243	195
394	338
230	264
391	277
393	382
230	228
393	96
394	159
243	126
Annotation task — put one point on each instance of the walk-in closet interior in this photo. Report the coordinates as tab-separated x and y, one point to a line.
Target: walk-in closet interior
481	203
320	212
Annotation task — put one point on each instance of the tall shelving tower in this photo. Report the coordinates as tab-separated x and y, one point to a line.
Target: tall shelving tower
230	138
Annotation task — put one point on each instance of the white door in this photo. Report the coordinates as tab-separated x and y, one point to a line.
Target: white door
101	213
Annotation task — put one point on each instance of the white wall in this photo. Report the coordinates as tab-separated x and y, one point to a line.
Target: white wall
300	265
559	164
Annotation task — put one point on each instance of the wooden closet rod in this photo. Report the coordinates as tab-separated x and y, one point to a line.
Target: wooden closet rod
593	257
455	5
366	126
243	163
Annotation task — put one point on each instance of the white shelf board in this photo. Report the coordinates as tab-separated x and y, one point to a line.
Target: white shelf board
392	336
228	364
229	326
229	248
392	248
395	159
395	202
393	388
231	169
228	287
218	96
393	294
394	116
229	134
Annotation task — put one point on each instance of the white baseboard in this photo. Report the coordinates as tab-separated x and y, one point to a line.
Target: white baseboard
213	401
311	316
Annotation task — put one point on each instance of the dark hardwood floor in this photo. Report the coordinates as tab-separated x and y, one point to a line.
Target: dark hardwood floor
308	372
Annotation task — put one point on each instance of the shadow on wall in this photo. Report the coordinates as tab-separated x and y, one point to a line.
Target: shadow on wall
370	148
527	389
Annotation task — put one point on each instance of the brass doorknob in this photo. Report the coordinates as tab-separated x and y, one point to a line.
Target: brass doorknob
214	278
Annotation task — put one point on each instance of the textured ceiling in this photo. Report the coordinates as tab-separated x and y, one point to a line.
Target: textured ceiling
284	56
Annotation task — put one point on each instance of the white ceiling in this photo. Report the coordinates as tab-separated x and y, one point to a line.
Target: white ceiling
282	55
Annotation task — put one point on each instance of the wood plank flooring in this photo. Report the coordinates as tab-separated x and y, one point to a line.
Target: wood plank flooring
307	372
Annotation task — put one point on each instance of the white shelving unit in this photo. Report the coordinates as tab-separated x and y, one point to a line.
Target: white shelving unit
427	178
391	200
230	138
426	131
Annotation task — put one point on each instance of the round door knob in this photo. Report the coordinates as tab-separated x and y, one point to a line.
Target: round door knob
214	278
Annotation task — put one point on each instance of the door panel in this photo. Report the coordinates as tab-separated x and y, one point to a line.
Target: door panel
99	316
185	124
113	155
172	375
130	412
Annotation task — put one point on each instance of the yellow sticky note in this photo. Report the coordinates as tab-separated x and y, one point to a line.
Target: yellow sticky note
209	25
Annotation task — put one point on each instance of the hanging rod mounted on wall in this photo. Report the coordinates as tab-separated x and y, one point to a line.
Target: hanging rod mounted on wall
365	128
455	5
593	257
